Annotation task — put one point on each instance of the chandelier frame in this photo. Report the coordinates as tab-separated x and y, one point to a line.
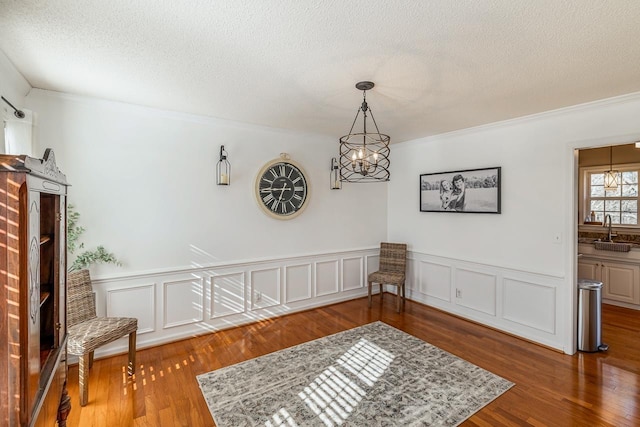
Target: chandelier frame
364	156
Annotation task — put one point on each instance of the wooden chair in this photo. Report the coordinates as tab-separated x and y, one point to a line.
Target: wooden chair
87	332
391	271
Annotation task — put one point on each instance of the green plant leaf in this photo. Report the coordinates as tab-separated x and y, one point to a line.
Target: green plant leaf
88	257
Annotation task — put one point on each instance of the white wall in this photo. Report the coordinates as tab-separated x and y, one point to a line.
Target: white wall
515	270
143	181
13	87
197	256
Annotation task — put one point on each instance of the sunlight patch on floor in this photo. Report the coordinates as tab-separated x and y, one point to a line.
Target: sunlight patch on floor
332	395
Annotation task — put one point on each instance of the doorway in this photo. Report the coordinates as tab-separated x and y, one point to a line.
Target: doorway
619	271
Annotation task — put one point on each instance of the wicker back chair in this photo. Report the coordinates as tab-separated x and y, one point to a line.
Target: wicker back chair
87	332
391	271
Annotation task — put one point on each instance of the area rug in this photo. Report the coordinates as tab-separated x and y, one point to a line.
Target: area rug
373	375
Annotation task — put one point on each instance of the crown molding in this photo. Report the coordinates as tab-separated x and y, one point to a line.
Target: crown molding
559	112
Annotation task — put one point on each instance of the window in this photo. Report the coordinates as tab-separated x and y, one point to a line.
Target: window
621	203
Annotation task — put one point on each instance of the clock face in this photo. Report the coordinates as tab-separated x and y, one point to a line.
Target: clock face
282	189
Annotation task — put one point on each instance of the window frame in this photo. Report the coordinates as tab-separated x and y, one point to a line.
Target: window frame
585	183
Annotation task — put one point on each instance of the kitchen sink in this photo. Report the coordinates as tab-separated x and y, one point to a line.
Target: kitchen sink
612	246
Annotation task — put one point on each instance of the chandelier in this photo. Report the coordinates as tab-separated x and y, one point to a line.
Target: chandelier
364	156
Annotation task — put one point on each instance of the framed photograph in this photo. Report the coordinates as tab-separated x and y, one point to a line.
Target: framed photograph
468	191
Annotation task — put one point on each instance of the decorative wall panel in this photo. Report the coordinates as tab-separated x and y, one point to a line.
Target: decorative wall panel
265	288
435	280
530	304
372	263
352	273
183	302
136	301
297	282
227	294
327	279
476	290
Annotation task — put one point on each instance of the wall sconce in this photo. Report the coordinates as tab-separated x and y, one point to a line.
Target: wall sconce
223	169
334	175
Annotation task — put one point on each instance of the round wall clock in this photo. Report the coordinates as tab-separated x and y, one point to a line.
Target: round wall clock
282	188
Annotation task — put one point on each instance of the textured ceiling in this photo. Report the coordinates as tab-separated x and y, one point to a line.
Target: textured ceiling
438	65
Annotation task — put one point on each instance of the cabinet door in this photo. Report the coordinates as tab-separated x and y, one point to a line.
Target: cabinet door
32	318
621	282
589	269
61	226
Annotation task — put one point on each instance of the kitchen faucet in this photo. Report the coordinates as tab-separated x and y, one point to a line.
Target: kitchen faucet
607	220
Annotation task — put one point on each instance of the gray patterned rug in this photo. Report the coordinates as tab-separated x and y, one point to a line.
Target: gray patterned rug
373	375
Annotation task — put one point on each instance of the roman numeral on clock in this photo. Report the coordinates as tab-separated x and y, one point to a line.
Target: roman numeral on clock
268	198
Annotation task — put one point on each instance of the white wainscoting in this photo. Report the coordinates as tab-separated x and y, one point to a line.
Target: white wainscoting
518	302
180	303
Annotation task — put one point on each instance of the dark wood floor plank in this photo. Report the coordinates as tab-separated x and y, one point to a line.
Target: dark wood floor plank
552	389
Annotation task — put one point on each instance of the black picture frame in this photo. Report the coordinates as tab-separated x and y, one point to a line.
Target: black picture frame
480	192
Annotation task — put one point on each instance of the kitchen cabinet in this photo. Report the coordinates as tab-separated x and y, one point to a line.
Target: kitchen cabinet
621	280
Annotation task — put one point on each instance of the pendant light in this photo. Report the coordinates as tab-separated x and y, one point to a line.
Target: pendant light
611	176
364	156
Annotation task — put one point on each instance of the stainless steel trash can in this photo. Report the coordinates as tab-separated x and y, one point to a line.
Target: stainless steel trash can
590	316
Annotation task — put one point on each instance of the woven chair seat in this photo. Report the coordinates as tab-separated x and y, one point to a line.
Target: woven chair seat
93	333
387	277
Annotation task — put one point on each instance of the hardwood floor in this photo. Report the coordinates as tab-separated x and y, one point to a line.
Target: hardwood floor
552	389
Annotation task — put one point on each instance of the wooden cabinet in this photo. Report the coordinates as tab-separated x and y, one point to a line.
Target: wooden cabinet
621	280
33	360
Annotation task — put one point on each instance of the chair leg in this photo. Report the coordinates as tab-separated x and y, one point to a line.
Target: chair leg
83	376
132	353
91	360
398	298
404	295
